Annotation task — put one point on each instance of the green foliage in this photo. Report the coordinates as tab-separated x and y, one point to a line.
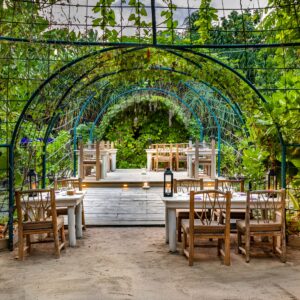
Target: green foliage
132	127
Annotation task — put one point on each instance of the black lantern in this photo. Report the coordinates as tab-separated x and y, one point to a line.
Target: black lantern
272	180
32	179
168	183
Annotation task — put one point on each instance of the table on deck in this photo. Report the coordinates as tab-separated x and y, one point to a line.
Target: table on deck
208	153
74	205
238	201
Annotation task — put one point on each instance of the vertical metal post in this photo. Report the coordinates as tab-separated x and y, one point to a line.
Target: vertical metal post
196	170
75	153
154	40
44	165
44	156
219	151
283	166
11	198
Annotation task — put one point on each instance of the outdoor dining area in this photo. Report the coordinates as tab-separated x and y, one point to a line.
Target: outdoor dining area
222	211
184	157
99	157
41	214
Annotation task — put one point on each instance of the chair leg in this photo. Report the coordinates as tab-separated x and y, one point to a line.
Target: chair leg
63	237
21	246
274	244
191	250
227	251
183	244
83	219
219	246
56	244
247	247
28	242
283	249
179	229
239	242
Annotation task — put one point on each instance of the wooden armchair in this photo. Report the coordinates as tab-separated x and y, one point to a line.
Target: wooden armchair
185	186
33	218
201	224
88	159
74	183
236	185
268	221
181	156
163	155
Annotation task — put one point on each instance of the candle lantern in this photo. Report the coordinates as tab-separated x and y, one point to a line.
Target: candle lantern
32	179
168	183
272	180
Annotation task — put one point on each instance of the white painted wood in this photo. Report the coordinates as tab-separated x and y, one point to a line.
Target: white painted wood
113	155
172	233
71	226
79	220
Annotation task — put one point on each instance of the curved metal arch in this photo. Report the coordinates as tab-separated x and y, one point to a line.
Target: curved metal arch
216	121
256	91
48	80
155	68
116	97
137	48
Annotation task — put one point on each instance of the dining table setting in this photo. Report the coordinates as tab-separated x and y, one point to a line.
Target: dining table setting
181	201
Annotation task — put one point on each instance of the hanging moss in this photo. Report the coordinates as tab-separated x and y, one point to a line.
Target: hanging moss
134	127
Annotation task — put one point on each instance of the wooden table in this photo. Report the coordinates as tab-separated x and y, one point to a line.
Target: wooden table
74	205
183	202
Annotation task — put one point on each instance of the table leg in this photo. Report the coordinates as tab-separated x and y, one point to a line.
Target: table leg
71	226
79	220
172	229
167	225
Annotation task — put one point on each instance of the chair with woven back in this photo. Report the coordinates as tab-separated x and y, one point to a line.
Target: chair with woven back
73	183
202	225
163	155
268	209
33	208
185	186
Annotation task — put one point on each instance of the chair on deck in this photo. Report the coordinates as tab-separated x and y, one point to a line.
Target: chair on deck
73	183
268	221
201	224
33	218
181	156
185	186
163	155
232	185
88	159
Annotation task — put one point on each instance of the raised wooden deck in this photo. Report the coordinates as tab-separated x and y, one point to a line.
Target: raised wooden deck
107	202
129	206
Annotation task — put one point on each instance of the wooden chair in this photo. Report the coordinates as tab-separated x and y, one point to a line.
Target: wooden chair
74	183
32	208
201	224
269	221
181	156
89	160
185	186
232	185
163	155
